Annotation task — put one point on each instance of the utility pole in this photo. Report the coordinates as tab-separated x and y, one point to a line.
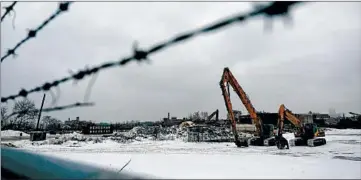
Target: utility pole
41	108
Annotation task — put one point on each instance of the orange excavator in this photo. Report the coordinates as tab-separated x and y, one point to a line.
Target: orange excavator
264	132
307	134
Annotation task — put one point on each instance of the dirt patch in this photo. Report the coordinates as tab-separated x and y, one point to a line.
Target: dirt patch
348	141
344	134
350	158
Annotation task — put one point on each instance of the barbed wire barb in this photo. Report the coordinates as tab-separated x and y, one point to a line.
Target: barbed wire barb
278	8
8	10
63	7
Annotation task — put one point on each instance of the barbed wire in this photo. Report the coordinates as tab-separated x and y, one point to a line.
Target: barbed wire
277	8
8	10
63	7
78	104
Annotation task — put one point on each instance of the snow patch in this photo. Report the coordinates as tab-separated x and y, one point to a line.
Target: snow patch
8	133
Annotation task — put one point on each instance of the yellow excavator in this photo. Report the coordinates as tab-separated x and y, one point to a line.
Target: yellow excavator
307	134
264	132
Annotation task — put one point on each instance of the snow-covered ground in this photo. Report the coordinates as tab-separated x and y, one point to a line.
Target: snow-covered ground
339	158
8	133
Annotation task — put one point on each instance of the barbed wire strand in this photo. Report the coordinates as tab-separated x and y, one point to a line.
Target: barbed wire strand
53	98
277	8
13	21
90	87
8	10
78	104
63	7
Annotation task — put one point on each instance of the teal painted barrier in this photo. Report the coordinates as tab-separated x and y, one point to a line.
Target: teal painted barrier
28	165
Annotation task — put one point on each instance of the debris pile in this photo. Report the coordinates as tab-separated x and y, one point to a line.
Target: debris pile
190	134
149	133
210	134
144	133
73	139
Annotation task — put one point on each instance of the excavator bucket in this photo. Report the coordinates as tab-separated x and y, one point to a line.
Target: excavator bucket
282	142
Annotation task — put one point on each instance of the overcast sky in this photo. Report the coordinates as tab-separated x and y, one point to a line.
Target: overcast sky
312	66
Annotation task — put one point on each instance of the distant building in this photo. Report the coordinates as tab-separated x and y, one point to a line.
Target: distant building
320	119
305	118
76	124
101	128
171	121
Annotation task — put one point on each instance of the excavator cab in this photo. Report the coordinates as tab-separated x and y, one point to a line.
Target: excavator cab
317	131
268	130
309	131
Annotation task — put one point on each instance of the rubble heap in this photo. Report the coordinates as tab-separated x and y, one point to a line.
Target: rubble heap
149	133
73	139
191	134
154	133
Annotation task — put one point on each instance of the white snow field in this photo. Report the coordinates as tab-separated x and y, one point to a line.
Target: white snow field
340	158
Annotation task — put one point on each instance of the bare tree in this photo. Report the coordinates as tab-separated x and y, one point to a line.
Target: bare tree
204	115
45	121
195	116
51	123
26	114
4	111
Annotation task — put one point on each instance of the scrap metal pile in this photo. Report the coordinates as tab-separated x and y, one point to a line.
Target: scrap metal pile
188	134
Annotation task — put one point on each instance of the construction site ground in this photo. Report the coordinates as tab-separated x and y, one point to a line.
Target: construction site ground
339	158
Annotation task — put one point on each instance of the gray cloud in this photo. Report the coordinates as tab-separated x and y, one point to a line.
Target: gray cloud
313	65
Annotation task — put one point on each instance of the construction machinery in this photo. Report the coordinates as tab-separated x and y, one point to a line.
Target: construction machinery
215	113
355	114
264	132
307	134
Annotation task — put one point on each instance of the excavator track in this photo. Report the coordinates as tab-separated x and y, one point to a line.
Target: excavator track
258	141
310	142
241	143
316	142
270	141
255	141
298	141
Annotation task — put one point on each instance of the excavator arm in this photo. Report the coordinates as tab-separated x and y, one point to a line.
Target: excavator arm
283	113
229	79
227	101
215	113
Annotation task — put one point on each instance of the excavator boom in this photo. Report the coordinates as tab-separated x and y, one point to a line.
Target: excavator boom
283	113
215	113
228	78
263	139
